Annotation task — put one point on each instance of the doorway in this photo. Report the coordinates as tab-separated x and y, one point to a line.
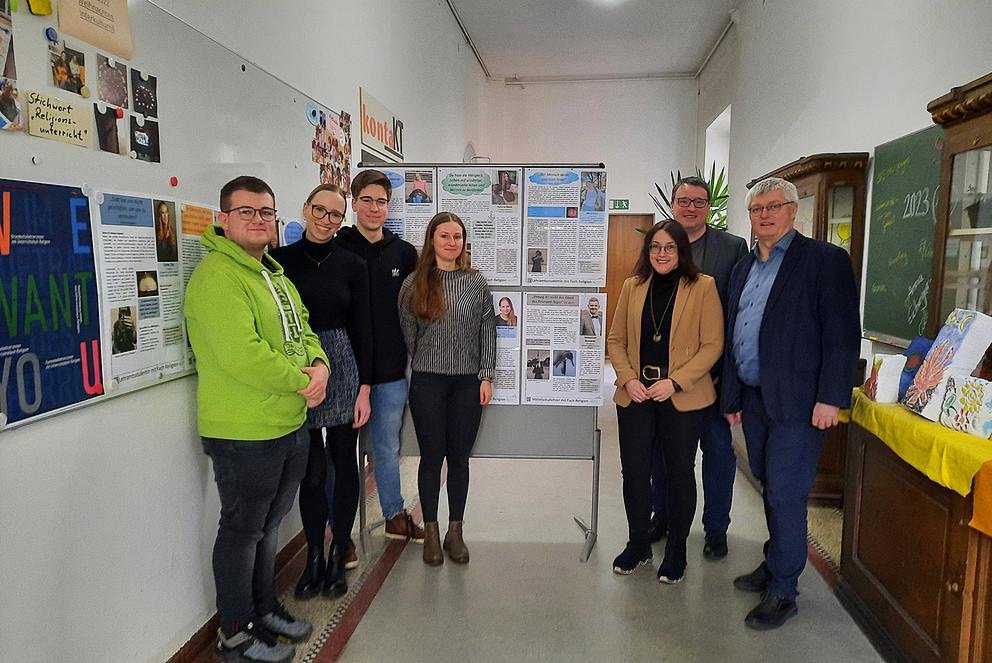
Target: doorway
624	246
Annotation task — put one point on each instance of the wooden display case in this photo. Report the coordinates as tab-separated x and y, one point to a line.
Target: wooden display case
912	569
963	241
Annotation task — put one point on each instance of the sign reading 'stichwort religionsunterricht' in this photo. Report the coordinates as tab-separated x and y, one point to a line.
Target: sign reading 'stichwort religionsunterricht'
49	319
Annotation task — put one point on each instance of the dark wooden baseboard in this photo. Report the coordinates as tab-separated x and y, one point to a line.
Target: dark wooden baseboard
868	624
289	565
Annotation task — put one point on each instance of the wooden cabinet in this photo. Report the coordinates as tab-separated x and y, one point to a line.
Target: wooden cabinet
963	242
832	209
911	568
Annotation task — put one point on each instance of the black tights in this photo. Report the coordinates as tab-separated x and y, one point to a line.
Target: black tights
341	452
446	414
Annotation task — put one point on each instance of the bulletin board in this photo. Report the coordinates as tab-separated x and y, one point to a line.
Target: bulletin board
197	115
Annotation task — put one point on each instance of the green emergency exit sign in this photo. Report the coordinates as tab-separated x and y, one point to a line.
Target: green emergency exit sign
619	203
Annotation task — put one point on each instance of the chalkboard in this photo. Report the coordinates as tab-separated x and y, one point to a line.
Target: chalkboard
903	214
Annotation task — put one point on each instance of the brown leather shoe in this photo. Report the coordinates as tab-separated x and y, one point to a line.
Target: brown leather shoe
397	527
350	556
433	556
454	543
416	532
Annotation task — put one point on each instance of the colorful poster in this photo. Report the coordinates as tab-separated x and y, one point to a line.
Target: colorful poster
488	202
331	146
563	348
54	119
193	220
412	203
141	289
104	23
565	227
506	385
49	316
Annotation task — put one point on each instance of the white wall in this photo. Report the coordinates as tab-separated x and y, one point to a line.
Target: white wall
641	130
108	513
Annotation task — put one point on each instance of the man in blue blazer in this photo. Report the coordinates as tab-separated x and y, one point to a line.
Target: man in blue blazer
793	339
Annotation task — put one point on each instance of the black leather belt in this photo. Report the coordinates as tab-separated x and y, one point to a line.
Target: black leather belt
654	373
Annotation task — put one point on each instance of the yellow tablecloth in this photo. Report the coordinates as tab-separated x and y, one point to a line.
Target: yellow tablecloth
945	456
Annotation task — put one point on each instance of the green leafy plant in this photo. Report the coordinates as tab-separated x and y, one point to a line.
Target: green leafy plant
719	195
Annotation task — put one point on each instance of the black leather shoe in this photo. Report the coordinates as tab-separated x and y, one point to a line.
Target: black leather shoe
772	612
313	575
335	581
715	547
657	530
755	581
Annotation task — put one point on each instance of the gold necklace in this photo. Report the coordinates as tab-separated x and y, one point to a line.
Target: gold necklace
657	325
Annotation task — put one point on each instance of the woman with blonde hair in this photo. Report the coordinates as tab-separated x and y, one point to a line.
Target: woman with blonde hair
506	317
446	312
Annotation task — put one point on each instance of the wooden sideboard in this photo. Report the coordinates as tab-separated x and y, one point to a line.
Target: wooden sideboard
911	567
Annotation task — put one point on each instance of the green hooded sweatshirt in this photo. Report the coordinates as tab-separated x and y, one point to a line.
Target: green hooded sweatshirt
249	333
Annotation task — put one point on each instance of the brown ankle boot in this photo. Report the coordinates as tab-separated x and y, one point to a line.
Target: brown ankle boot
432	545
455	544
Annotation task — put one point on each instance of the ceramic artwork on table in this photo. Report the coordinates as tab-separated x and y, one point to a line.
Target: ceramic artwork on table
882	386
915	354
957	350
967	406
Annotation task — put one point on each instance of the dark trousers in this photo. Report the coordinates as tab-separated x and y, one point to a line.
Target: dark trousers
446	415
719	470
783	457
339	459
647	427
256	481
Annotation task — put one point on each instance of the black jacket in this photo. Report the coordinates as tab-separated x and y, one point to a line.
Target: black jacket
389	261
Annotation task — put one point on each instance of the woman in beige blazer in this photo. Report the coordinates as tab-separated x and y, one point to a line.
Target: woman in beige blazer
667	333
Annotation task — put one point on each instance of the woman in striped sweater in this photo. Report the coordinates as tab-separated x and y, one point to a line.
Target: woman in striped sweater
446	312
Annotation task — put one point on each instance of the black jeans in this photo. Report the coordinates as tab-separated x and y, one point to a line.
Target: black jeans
341	453
256	481
446	415
643	427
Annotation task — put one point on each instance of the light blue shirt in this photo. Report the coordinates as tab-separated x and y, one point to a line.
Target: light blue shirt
751	309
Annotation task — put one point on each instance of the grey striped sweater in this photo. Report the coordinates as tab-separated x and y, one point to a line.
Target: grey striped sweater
463	342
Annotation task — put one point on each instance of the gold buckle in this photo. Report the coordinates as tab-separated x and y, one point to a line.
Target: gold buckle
652	373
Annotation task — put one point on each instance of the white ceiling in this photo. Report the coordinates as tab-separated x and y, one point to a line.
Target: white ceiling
579	39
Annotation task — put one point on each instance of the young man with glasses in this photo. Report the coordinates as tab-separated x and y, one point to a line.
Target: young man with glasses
389	259
793	338
260	367
715	252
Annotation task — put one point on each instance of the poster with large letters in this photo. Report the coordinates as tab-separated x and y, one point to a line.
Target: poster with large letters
488	203
49	317
564	227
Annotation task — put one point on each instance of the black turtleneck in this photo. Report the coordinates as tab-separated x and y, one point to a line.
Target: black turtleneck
334	286
662	293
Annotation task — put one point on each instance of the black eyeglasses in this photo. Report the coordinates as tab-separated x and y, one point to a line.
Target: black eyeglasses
319	212
771	207
655	247
369	200
698	203
247	213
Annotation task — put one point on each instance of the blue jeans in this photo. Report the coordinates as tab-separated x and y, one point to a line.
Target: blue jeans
257	482
783	457
388	402
719	470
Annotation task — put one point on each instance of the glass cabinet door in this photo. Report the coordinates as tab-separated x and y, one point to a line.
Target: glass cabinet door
805	215
969	234
840	215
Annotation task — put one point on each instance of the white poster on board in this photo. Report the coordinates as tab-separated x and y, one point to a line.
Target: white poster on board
488	202
412	202
193	220
564	227
141	289
506	385
563	348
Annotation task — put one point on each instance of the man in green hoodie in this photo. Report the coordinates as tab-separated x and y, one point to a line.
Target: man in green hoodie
260	367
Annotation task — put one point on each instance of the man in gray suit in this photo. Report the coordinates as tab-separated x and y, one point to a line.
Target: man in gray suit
715	252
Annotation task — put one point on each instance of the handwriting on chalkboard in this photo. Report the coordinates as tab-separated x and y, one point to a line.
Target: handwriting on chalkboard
916	303
901	258
897	168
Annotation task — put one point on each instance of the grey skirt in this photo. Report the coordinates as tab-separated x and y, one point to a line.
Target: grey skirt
342	387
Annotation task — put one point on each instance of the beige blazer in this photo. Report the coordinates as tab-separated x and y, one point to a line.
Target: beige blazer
695	344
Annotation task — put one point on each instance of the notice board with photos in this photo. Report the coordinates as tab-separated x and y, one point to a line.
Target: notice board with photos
111	170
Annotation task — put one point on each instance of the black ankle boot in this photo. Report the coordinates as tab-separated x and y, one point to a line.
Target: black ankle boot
313	575
335	582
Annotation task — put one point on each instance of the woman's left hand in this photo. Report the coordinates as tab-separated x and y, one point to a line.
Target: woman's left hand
661	390
485	392
363	408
